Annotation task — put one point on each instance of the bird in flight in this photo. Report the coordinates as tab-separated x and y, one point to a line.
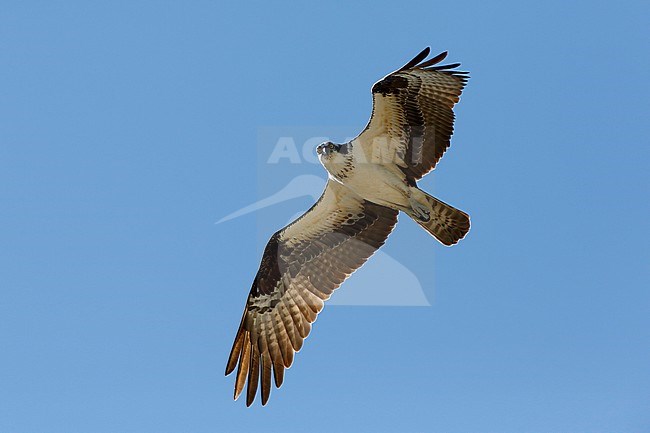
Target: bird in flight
371	179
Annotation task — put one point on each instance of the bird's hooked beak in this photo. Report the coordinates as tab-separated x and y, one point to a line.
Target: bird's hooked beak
319	149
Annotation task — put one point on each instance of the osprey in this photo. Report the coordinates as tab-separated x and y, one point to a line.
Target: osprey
371	179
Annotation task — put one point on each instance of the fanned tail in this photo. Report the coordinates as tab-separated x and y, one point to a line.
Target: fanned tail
446	223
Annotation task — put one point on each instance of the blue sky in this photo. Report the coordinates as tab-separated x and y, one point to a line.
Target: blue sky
128	129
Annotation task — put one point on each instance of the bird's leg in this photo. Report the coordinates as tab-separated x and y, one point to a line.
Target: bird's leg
420	210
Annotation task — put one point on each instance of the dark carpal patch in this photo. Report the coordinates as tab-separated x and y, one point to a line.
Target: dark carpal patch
390	85
269	273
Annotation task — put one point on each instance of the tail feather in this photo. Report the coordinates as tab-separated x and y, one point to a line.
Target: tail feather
446	223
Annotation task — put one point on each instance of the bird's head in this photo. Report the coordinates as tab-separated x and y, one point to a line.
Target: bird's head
327	149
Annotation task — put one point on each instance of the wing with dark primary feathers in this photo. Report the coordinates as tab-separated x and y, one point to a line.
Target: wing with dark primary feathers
302	265
412	115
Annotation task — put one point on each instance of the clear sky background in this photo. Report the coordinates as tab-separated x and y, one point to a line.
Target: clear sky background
127	129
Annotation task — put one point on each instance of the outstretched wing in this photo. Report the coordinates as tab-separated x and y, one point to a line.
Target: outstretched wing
412	118
301	267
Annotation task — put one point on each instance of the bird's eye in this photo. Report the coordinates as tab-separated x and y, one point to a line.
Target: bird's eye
331	146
